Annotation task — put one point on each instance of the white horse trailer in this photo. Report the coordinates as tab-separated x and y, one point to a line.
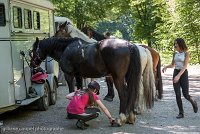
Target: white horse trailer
21	21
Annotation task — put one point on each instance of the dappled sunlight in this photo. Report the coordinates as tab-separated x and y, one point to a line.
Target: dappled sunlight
173	129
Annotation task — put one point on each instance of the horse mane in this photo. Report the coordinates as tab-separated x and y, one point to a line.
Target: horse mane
57	43
97	36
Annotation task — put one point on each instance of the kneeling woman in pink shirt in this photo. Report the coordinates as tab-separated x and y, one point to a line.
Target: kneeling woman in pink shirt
81	105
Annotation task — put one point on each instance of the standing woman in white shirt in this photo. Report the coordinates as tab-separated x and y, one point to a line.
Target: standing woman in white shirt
180	61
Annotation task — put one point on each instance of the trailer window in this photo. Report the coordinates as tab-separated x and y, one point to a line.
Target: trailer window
36	20
2	15
27	19
17	17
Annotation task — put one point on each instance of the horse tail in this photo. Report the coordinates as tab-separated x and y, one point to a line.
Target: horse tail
159	84
149	81
133	77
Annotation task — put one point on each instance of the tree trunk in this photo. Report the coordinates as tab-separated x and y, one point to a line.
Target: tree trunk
149	41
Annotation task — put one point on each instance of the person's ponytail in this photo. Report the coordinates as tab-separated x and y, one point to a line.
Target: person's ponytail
91	100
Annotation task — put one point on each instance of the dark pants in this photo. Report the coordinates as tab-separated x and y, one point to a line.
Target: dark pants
184	84
92	114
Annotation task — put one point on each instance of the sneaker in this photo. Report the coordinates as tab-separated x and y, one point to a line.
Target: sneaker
86	125
180	115
80	124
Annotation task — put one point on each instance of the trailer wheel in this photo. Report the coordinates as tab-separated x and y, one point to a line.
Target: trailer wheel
53	94
43	102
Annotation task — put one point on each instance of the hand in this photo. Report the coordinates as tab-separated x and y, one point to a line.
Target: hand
176	79
111	120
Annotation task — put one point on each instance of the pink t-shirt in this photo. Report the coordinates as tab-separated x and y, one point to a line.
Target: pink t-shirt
79	102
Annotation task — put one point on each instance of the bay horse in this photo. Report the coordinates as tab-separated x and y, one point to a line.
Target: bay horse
156	66
117	57
64	31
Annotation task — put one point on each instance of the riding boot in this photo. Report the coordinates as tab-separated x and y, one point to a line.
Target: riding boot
180	115
180	107
194	105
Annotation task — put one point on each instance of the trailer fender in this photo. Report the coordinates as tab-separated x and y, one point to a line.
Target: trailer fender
39	88
53	83
52	66
50	79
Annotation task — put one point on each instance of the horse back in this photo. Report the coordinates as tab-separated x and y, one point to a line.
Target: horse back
87	60
154	53
115	54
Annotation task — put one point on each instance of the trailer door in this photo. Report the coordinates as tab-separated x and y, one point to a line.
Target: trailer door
6	74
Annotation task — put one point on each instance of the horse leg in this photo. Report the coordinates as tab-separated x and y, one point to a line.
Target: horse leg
79	82
67	68
70	82
155	60
131	118
158	79
122	91
110	95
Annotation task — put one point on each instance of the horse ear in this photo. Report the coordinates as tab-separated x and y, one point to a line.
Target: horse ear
65	23
62	26
37	39
36	43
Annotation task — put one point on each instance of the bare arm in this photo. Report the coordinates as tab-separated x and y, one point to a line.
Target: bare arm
105	110
70	96
170	65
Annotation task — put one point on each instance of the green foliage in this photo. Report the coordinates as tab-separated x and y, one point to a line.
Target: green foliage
190	23
147	15
155	22
166	57
87	12
120	28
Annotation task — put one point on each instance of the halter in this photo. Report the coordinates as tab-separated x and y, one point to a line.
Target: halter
66	28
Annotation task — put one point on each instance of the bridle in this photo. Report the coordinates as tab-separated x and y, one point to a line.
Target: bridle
35	56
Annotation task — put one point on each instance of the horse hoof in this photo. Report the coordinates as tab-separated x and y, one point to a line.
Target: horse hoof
110	99
131	118
129	122
115	124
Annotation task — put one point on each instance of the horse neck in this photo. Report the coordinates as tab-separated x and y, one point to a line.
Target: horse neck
53	47
98	36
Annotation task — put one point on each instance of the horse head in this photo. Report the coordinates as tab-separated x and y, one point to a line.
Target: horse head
62	31
37	56
88	31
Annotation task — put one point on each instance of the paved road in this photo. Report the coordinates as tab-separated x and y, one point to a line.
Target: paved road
159	120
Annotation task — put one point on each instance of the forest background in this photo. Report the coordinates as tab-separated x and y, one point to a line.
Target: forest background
156	23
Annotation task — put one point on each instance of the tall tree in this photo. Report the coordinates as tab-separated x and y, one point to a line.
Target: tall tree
189	21
87	12
147	15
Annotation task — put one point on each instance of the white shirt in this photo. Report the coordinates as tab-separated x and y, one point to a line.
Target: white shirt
179	60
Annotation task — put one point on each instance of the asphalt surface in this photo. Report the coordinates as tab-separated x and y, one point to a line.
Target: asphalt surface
161	119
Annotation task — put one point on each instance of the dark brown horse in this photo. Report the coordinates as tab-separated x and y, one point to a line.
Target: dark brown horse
156	65
117	57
